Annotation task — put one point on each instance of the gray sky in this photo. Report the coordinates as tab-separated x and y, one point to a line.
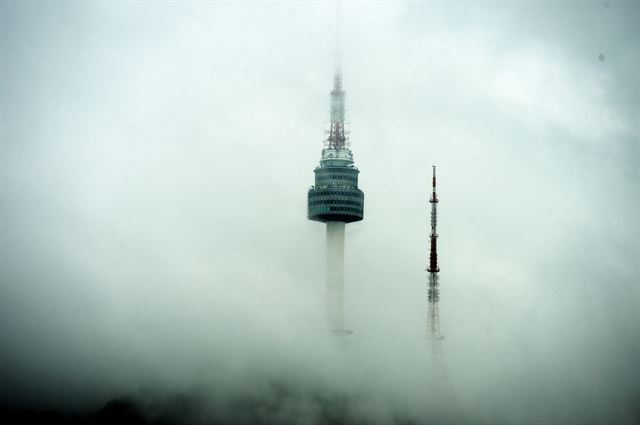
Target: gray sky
154	166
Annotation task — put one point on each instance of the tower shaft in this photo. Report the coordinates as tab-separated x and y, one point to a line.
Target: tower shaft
335	275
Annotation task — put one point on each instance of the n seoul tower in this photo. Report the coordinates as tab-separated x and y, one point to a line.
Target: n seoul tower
336	200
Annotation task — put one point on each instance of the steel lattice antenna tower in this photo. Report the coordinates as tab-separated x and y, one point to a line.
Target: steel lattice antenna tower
433	292
335	198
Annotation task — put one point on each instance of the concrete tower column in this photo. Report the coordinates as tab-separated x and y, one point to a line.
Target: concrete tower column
335	275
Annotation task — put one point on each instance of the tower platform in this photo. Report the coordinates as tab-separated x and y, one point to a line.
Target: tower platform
335	195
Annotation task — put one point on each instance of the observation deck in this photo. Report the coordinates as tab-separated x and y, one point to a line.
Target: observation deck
335	195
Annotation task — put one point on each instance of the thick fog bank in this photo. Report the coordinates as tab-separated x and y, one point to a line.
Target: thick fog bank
154	245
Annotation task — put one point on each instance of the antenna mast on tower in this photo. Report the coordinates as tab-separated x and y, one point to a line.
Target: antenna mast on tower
433	291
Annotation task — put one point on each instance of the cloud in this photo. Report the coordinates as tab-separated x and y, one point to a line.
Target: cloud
155	161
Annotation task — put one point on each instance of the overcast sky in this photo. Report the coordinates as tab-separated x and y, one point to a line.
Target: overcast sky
155	158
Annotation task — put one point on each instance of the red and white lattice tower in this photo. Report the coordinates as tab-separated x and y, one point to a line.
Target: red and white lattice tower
433	291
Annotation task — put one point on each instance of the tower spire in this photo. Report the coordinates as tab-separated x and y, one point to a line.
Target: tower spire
337	54
336	143
433	256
